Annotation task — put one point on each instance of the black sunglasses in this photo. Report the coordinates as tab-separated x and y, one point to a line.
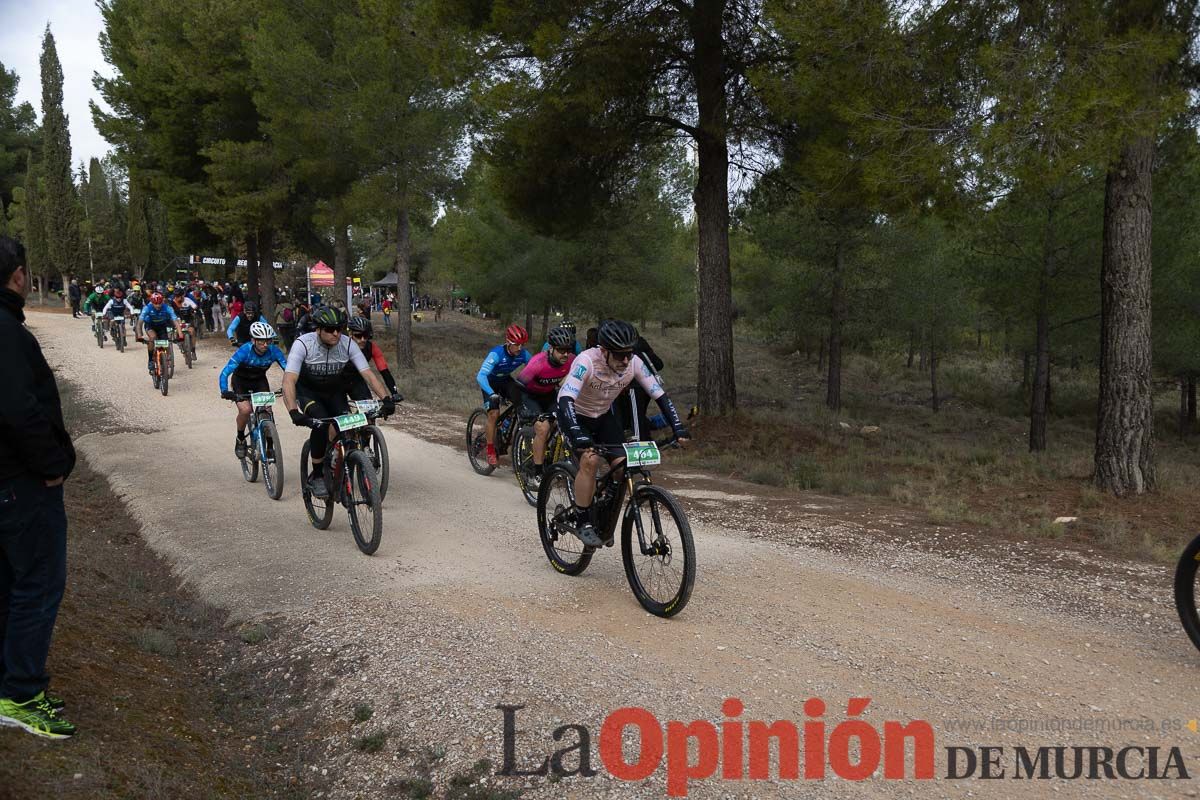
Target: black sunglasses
329	330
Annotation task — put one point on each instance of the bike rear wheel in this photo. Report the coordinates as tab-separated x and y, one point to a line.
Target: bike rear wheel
556	497
477	442
320	509
522	462
376	448
662	576
1185	590
363	503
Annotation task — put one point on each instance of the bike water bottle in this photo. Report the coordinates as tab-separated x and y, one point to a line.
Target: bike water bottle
504	427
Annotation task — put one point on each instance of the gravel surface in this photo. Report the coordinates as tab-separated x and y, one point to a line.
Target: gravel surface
459	612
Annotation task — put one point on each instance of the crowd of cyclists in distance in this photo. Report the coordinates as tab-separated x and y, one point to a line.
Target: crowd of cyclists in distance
326	357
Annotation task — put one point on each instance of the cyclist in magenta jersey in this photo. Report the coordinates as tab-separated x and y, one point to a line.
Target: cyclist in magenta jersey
539	381
495	379
596	378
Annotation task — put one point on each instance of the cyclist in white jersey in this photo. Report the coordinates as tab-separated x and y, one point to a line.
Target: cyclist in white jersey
598	376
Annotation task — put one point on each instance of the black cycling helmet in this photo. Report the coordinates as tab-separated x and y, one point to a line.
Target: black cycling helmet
329	317
250	310
616	334
569	326
561	338
360	325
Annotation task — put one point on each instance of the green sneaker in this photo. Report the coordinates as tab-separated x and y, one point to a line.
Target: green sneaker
36	716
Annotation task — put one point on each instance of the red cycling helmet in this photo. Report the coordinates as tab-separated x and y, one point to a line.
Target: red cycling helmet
156	299
515	334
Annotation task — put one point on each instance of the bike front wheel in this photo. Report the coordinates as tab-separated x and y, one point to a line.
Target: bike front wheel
271	457
1185	590
169	359
320	509
556	498
119	338
363	503
658	552
187	350
163	378
376	448
523	465
477	442
100	335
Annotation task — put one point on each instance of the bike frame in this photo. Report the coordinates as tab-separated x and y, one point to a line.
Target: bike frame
632	477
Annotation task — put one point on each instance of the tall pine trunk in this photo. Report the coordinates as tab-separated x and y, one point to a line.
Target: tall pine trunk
833	387
1124	457
231	260
266	271
1041	359
1191	401
934	399
912	345
1183	407
404	348
341	259
714	330
252	267
545	321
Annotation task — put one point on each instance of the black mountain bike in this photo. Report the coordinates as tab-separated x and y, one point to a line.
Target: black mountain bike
522	460
351	479
656	540
1185	590
507	425
117	327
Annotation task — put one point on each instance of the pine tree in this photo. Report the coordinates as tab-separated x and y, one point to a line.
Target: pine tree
60	209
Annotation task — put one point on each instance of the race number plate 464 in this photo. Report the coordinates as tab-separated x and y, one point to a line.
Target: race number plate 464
642	454
348	422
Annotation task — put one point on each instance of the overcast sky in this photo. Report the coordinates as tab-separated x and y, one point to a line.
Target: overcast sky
76	25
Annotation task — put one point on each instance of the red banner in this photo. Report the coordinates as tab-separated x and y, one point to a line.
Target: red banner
320	275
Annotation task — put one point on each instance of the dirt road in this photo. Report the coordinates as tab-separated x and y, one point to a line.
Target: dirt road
459	612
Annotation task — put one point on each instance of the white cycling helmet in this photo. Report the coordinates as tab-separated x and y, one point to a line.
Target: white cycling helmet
261	330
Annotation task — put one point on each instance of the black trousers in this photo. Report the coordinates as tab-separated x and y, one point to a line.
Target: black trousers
33	573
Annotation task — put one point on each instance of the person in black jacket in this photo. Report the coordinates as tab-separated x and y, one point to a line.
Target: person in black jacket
76	295
36	456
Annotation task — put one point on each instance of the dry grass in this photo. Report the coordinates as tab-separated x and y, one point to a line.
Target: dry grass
966	465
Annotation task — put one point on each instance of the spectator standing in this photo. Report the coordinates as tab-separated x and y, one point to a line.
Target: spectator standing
387	313
235	308
285	322
76	295
36	456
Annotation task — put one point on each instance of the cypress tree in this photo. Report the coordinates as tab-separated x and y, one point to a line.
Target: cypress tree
59	204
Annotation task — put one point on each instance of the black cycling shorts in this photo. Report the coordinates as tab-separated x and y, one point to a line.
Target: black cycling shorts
243	385
534	404
159	331
604	429
323	404
504	386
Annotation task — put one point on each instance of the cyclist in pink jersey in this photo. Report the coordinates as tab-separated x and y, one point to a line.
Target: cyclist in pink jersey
539	381
585	414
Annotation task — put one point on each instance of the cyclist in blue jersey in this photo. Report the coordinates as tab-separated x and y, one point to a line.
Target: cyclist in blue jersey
495	379
239	327
248	368
568	326
157	318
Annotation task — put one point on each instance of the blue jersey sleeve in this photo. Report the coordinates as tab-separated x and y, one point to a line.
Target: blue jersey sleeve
233	323
485	370
237	358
